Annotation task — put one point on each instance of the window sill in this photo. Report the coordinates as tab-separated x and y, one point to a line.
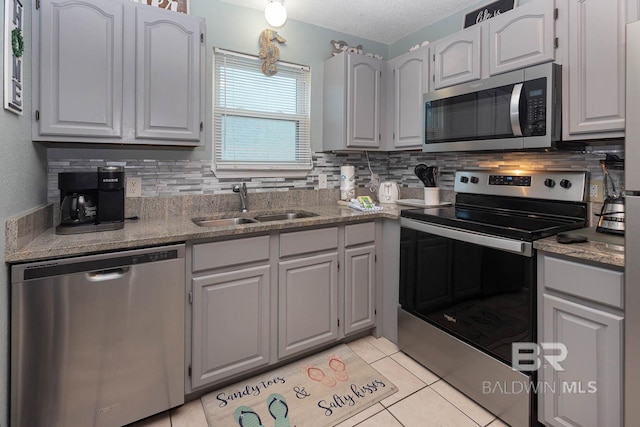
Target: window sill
261	173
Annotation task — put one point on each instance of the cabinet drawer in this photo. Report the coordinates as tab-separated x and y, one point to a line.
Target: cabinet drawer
585	281
357	234
230	252
301	242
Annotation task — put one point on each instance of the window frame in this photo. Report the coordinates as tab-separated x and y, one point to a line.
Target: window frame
272	169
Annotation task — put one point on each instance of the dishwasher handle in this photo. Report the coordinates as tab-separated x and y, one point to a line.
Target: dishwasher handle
106	275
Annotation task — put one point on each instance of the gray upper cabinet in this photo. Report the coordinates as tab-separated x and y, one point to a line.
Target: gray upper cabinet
456	59
522	37
409	75
581	307
114	71
167	75
352	102
81	85
519	38
592	42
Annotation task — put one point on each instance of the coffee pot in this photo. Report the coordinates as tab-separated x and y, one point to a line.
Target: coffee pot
78	208
91	201
611	217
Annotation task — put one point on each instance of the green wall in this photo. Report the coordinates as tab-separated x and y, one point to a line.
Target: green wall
23	186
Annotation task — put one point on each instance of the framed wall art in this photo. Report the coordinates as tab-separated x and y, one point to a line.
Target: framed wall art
181	6
487	11
13	56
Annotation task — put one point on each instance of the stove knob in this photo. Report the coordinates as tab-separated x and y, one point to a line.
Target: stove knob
549	183
474	180
565	183
464	179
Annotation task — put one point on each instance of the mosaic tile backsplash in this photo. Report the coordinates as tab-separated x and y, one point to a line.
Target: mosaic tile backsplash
162	178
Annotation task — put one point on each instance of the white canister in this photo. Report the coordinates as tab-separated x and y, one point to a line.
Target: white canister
347	182
431	196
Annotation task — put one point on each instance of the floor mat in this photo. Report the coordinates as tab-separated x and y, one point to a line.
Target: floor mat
321	390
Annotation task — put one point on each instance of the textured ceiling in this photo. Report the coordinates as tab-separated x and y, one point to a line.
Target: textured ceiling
384	21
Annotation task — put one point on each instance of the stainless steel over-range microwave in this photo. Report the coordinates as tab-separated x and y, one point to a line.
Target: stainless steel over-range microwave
511	111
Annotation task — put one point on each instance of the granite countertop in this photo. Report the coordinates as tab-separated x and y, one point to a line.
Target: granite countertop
172	229
603	248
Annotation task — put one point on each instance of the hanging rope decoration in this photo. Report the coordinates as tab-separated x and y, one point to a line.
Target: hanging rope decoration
17	42
269	51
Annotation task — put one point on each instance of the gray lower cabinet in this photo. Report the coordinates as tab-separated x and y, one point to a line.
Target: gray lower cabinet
230	309
580	308
307	290
308	302
359	277
254	301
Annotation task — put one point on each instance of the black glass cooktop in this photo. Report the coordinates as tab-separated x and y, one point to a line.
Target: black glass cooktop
506	219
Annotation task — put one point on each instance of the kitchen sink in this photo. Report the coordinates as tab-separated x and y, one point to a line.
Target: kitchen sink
266	217
284	216
222	222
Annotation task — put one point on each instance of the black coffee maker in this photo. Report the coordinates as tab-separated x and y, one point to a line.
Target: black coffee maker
91	201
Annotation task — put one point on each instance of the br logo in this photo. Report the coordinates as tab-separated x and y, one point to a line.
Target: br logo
527	356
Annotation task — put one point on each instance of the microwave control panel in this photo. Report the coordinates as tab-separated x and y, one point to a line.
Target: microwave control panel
536	107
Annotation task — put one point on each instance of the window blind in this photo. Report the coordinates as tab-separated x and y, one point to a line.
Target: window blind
260	122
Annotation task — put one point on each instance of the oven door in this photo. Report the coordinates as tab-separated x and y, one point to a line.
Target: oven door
478	288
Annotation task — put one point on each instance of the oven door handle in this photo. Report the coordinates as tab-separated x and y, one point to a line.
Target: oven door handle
509	245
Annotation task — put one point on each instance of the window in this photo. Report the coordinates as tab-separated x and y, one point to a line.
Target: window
260	123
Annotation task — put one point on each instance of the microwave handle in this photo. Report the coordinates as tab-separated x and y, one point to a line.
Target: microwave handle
514	109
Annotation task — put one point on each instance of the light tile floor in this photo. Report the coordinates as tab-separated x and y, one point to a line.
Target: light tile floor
422	400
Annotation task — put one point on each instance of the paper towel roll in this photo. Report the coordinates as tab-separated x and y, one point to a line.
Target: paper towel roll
347	182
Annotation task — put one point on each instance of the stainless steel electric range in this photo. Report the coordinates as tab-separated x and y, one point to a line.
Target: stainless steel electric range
468	280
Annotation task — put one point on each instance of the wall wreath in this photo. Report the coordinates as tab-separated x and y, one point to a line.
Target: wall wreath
17	42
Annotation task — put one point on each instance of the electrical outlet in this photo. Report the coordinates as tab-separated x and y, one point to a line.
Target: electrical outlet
134	187
596	188
374	177
322	180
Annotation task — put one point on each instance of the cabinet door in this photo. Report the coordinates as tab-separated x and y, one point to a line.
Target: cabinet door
168	73
457	57
522	37
411	75
588	390
308	303
359	288
81	63
230	332
363	101
594	70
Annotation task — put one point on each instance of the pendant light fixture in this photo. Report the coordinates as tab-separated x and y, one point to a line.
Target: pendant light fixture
275	13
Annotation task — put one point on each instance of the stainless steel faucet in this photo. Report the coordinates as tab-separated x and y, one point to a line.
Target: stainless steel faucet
243	195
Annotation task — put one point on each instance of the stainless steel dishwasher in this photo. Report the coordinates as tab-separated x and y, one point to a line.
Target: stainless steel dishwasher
97	340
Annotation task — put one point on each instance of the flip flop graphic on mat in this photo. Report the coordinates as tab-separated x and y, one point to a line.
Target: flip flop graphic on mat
279	410
339	368
318	375
246	417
